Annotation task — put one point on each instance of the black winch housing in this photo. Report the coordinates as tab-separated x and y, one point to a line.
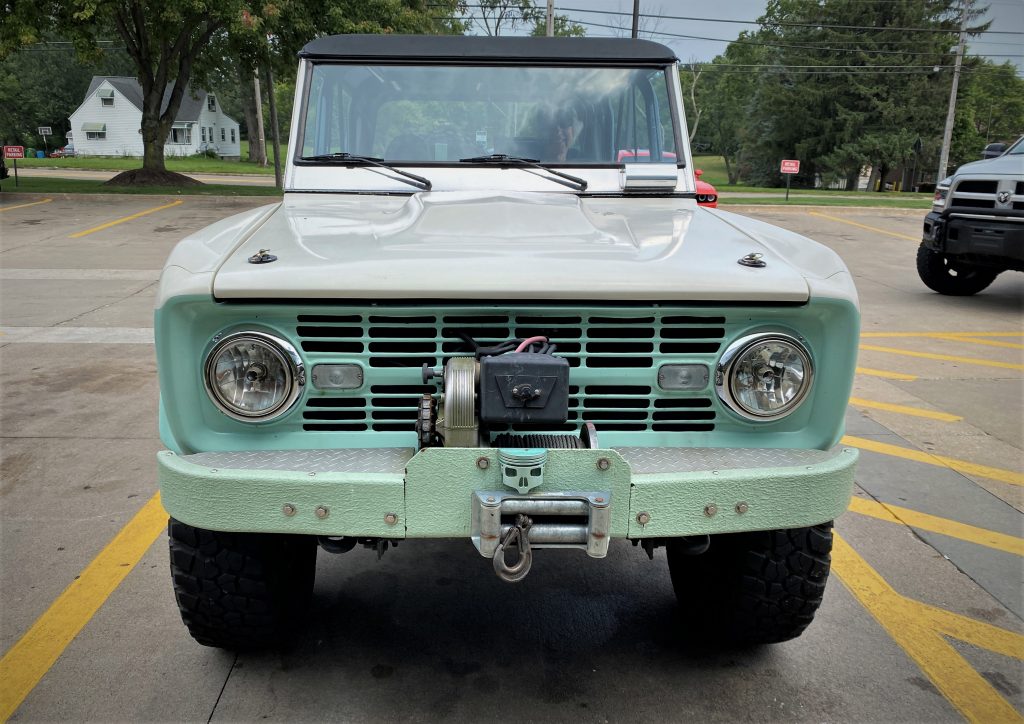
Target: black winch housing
525	388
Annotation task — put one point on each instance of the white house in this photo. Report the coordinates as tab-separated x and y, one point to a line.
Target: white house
109	122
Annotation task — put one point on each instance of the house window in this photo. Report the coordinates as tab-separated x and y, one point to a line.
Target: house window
106	97
222	139
107	101
204	134
211	134
232	135
96	135
181	136
211	103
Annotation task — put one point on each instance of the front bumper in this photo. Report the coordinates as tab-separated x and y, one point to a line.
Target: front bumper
400	493
975	235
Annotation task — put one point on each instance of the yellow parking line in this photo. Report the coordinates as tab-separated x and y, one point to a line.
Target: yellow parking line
885	374
880	335
944	357
864	226
918	629
115	222
935	524
31	657
902	410
961	466
22	206
977	340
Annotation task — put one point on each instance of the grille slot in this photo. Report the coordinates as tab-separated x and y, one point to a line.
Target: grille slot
614	359
977	187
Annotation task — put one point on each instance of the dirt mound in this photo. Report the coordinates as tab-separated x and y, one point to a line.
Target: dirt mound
143	177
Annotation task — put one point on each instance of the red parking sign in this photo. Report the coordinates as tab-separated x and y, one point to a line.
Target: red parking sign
790	166
14	152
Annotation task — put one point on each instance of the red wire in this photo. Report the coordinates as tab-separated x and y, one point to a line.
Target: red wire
528	341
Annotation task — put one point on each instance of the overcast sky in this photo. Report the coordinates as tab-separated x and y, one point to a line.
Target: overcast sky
1004	14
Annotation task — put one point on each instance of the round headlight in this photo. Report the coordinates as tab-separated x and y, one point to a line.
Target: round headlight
253	376
764	376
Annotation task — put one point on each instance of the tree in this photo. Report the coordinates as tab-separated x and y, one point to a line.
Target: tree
726	95
41	85
990	108
564	27
507	15
877	94
171	42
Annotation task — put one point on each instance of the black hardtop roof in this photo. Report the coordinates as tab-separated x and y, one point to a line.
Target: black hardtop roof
471	48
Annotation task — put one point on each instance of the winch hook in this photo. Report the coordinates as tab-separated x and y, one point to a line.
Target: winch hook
518	534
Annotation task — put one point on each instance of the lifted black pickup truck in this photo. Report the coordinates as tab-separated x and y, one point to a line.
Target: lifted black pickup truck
975	230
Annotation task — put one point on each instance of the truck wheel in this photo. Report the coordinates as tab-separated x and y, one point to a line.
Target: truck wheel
240	590
752	588
946	276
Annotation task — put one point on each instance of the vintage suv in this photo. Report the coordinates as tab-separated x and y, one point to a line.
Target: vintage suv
468	319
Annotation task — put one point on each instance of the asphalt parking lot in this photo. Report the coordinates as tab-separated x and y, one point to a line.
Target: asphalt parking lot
922	620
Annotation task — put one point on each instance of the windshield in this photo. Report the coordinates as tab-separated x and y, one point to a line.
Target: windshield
440	114
1016	149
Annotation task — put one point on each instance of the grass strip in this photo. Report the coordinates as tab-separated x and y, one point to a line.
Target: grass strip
39	185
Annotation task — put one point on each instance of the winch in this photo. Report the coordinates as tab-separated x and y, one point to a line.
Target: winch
519	383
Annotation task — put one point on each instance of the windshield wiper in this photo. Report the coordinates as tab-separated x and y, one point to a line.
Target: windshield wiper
353	160
503	159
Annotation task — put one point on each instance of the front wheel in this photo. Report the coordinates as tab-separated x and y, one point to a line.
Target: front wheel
947	276
752	588
240	590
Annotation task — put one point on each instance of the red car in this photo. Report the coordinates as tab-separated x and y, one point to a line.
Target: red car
67	152
706	193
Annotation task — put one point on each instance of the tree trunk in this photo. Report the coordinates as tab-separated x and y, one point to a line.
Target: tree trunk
154	137
257	150
728	169
274	132
852	179
883	171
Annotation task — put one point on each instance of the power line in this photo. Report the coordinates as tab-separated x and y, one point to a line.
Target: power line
784	45
783	23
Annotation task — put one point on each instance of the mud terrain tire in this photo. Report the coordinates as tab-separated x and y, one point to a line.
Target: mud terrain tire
945	276
240	591
752	588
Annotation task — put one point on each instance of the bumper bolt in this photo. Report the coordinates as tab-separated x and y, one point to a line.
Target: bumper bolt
710	510
483	463
742	508
643	518
603	464
391	518
321	511
288	509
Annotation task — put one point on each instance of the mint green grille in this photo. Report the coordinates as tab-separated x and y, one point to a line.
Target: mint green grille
613	353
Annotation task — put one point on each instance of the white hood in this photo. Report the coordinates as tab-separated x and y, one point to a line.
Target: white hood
512	246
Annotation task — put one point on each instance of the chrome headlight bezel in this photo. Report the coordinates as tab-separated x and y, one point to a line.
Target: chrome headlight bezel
725	378
286	354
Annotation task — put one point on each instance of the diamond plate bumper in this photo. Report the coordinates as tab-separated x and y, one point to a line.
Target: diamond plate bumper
398	493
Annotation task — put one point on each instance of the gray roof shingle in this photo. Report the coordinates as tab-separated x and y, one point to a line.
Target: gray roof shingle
191	102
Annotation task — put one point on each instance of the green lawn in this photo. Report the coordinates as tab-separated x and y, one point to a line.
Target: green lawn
714	173
191	164
75	186
878	201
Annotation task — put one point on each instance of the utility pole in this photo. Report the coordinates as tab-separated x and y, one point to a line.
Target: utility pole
636	19
551	19
274	134
261	143
947	136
